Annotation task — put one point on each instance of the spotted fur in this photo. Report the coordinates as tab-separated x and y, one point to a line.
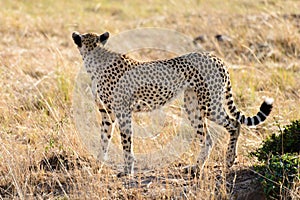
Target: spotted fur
122	85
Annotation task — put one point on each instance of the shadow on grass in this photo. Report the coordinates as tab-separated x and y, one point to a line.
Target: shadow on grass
60	175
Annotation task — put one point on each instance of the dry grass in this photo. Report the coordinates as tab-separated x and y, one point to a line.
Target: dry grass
39	63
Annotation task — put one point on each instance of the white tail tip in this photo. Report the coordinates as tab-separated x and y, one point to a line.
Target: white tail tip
269	101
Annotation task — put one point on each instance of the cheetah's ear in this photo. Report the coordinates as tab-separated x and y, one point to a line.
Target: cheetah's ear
77	39
103	38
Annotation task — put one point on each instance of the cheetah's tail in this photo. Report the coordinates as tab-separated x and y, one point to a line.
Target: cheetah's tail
261	116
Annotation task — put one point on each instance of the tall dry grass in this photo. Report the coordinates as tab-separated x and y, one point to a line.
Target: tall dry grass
41	154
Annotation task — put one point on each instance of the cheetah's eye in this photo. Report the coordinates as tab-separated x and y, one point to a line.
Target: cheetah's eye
77	39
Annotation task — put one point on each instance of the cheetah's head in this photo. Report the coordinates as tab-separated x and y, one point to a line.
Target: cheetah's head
88	41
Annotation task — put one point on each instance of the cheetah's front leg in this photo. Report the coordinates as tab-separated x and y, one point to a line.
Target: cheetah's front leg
124	121
108	119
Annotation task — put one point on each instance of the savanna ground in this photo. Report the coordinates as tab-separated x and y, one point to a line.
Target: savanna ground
41	154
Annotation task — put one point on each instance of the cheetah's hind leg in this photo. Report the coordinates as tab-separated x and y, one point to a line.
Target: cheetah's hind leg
232	126
232	146
196	118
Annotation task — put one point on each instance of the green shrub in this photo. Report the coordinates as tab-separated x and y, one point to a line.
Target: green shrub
288	141
279	162
279	174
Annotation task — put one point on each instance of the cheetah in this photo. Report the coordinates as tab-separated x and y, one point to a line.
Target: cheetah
122	85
